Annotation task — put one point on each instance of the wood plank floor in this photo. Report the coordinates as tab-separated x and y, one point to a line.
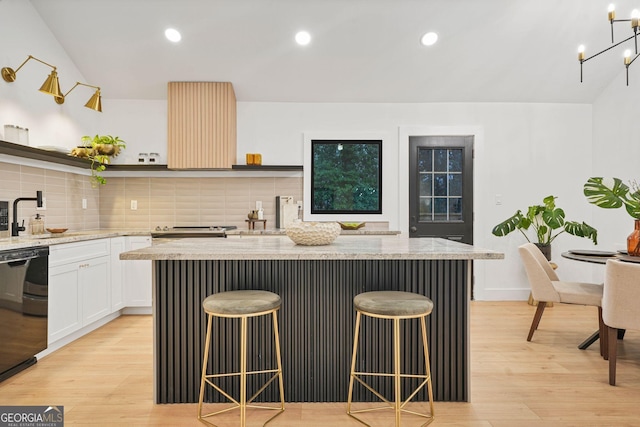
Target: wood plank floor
105	378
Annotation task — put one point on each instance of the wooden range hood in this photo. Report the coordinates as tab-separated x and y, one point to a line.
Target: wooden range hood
201	125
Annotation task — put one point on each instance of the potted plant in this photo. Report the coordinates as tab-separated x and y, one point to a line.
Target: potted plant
547	222
99	150
612	194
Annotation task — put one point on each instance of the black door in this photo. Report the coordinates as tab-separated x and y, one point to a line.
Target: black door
441	187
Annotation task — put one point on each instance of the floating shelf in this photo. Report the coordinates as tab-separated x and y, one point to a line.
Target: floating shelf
27	152
267	167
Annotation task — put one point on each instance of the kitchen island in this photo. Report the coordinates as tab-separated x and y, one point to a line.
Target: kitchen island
317	285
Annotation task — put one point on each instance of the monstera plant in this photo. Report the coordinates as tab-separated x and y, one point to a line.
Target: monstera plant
547	222
612	194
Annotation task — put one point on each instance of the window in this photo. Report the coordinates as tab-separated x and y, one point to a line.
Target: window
440	181
346	176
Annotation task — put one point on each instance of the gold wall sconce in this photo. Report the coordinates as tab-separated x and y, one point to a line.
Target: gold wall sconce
635	21
50	85
95	102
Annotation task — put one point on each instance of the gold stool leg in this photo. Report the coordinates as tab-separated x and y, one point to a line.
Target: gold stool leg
396	369
427	365
276	335
243	372
204	366
353	362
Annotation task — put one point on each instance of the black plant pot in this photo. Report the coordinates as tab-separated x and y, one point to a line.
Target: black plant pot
545	249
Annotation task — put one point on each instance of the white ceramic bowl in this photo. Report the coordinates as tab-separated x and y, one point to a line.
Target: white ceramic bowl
313	233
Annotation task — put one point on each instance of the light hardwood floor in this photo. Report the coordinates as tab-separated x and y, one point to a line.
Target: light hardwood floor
105	378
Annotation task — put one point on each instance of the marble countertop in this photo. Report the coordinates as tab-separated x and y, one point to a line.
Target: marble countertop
283	232
27	241
279	247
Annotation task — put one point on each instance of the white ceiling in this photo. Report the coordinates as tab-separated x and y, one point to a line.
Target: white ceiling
361	50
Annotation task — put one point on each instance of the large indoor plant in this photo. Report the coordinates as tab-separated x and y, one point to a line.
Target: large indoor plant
612	194
547	222
99	149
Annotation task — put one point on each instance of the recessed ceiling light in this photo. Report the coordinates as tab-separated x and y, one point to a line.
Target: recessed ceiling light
172	35
303	38
429	39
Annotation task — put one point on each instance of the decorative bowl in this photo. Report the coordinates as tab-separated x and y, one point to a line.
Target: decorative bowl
56	230
313	233
351	225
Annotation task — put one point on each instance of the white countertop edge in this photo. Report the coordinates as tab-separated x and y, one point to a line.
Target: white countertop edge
26	241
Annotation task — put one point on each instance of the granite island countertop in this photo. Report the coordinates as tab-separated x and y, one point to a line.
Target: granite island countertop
279	247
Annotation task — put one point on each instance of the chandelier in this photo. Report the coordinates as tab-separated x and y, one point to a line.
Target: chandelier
635	17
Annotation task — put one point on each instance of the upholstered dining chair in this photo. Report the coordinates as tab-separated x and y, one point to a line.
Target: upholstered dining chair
620	305
547	287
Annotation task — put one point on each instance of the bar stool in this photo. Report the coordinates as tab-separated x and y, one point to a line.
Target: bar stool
243	305
394	305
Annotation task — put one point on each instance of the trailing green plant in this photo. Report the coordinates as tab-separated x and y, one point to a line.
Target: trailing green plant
547	222
99	150
613	193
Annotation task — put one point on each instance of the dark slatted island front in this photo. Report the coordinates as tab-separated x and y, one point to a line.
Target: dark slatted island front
317	285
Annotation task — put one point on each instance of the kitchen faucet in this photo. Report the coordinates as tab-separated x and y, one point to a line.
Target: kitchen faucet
15	228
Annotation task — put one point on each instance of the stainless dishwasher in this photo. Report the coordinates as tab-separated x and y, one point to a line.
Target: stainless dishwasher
23	307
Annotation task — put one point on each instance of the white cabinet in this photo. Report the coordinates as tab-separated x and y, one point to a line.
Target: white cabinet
118	245
79	286
138	275
65	311
95	287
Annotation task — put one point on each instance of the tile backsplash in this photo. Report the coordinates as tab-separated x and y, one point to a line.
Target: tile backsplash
63	192
190	201
159	202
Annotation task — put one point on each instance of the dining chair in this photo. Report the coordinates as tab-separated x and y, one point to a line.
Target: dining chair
546	287
620	305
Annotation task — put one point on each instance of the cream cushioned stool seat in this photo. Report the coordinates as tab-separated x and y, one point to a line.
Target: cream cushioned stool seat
396	306
242	305
393	303
241	302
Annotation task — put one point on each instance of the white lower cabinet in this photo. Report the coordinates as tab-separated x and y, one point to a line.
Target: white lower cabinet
95	287
138	275
65	311
118	245
88	282
79	286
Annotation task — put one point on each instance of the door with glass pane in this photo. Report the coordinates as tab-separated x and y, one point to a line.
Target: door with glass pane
441	187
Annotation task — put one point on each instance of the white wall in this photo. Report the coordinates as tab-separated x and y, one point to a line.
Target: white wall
524	151
23	33
142	124
616	152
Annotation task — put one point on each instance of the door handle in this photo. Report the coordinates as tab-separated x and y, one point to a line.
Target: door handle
413	229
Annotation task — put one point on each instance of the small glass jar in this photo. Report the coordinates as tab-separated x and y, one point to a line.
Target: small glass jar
249	157
36	225
143	158
257	159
